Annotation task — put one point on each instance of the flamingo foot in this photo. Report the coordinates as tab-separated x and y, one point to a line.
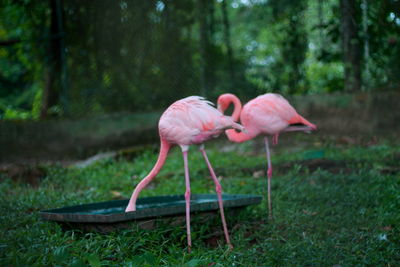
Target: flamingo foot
129	209
131	205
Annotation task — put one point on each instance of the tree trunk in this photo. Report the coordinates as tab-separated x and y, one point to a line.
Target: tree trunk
321	21
211	20
204	43
366	76
227	37
52	88
351	46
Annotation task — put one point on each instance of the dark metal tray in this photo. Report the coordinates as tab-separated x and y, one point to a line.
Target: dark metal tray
148	207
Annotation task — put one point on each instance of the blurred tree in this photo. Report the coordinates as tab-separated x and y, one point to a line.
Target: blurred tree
383	36
290	15
227	40
205	12
351	44
54	89
366	74
142	55
22	34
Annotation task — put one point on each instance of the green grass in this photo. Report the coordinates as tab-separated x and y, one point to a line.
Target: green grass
345	215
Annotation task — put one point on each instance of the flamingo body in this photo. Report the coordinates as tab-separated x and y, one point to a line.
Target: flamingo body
268	115
188	121
192	120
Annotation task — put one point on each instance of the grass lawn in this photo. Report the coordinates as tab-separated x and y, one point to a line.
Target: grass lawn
334	204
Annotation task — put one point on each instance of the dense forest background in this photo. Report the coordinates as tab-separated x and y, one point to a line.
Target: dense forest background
70	58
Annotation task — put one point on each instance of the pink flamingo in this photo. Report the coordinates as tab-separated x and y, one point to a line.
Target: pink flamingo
188	121
268	115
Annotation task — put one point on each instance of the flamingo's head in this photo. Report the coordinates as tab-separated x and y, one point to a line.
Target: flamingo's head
224	102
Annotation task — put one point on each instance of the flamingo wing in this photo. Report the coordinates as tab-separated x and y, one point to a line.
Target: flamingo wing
269	113
193	120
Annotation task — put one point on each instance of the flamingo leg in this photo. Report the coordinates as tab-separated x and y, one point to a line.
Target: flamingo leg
218	189
269	173
275	139
187	195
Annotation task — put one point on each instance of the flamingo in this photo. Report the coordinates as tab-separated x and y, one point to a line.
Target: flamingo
188	121
267	115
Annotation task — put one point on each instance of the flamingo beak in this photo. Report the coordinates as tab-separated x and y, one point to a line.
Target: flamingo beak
244	130
310	128
239	127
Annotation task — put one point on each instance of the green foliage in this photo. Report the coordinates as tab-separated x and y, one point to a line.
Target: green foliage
327	77
345	213
21	64
384	32
143	55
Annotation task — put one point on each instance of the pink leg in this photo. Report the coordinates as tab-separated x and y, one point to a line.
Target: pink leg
187	196
218	189
275	139
269	173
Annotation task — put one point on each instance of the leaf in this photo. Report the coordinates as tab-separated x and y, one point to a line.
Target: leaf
146	259
61	254
94	260
137	261
150	258
193	263
78	263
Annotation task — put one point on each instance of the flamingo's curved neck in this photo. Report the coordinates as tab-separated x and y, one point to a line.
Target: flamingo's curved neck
231	98
164	148
237	108
239	137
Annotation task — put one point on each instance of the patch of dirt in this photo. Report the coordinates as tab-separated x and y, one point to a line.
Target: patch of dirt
23	173
212	241
389	170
